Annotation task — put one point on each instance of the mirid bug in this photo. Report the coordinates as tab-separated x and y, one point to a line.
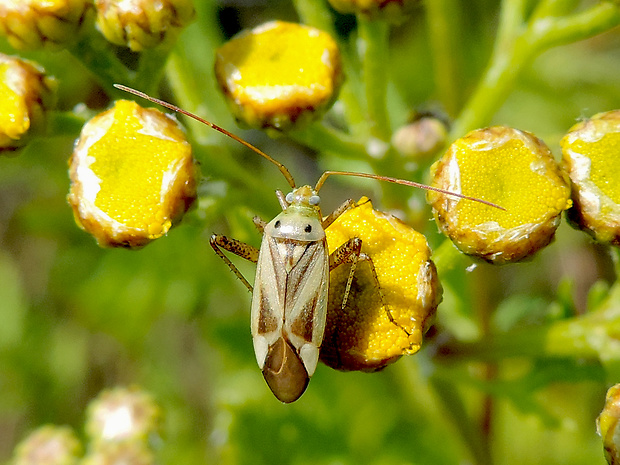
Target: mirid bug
289	296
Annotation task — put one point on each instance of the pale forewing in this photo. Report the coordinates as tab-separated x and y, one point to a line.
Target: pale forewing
293	301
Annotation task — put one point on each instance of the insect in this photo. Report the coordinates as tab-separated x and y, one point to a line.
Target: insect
289	296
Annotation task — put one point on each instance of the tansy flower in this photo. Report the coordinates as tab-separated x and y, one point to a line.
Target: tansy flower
140	24
591	154
50	24
386	317
26	94
279	75
132	176
510	168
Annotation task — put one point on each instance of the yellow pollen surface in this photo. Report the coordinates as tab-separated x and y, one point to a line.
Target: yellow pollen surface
513	176
362	337
605	162
131	166
279	66
14	119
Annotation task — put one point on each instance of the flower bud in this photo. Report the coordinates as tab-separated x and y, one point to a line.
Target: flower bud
36	24
590	155
140	24
48	445
607	425
122	415
279	75
132	176
512	169
421	138
394	11
381	320
26	94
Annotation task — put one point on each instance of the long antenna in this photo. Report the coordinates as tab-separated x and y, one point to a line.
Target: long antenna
403	182
283	169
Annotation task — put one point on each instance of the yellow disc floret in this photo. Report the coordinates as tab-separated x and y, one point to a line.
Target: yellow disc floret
279	74
132	175
591	154
25	96
384	317
510	168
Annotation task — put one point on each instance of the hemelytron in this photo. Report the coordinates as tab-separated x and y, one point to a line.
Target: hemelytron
289	296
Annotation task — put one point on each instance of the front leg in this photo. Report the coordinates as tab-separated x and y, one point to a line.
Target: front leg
351	252
241	249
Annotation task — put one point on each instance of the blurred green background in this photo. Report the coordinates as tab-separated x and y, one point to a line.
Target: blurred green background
498	380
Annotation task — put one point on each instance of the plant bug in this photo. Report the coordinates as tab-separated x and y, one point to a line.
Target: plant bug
289	296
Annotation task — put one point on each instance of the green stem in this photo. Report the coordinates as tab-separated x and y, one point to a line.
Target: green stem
507	59
325	139
548	33
593	336
443	27
65	123
374	36
517	46
447	257
315	13
453	406
555	8
151	68
97	55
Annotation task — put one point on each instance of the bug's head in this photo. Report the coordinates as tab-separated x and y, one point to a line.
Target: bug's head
303	196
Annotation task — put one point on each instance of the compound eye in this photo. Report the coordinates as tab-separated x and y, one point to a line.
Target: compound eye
308	228
276	224
289	197
314	200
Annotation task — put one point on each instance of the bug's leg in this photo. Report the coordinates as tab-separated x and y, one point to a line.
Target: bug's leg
260	224
241	249
351	252
329	219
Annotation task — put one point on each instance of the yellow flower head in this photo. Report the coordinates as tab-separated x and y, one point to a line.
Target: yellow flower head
591	154
48	444
50	24
385	320
394	11
510	168
279	75
607	425
132	176
140	24
25	96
